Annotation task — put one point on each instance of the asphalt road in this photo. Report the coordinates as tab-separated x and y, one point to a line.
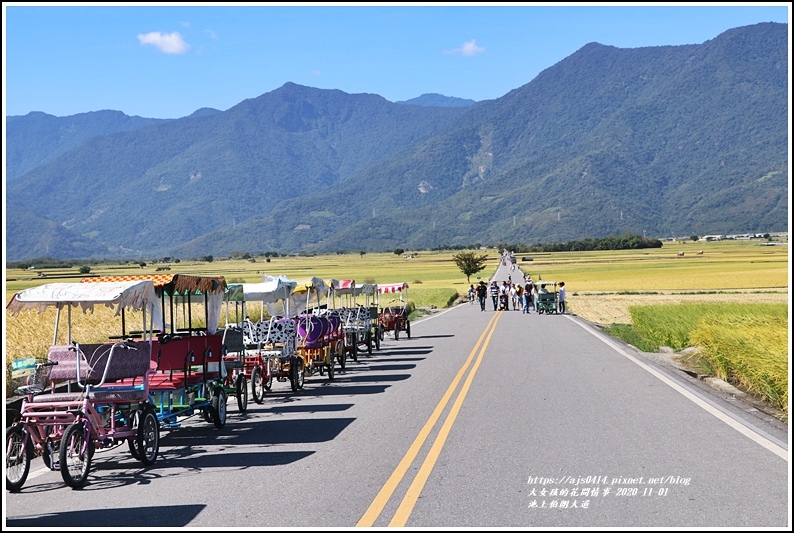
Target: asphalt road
481	419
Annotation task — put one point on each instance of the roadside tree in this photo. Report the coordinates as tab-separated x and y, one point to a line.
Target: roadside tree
470	263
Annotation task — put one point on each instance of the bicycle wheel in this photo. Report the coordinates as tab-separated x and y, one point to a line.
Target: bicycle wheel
147	442
75	455
18	453
134	422
241	392
257	386
268	380
218	411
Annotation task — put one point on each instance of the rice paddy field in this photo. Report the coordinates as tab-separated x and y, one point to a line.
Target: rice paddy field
604	287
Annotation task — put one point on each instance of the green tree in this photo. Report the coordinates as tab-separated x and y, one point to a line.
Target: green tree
85	269
398	251
470	263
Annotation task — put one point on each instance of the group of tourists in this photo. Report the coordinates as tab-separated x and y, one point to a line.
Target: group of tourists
517	295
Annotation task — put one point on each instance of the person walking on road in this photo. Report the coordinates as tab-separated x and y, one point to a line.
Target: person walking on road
482	293
494	290
529	289
471	294
535	292
561	298
518	298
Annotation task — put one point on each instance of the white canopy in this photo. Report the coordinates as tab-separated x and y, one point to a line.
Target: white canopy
134	295
273	292
118	294
274	289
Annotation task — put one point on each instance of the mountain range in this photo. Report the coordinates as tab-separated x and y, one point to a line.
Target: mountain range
667	140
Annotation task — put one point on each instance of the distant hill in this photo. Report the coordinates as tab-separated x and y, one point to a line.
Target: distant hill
37	138
669	140
438	100
205	112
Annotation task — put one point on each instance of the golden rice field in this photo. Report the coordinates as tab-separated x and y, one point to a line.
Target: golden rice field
601	285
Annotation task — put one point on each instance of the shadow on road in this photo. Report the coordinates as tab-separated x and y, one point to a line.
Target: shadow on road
159	517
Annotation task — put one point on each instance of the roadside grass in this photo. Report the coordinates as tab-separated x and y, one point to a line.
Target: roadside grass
743	344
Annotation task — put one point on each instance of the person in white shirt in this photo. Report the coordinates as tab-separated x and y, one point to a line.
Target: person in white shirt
561	298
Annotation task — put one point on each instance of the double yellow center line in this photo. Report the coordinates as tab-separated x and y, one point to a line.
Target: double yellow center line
409	500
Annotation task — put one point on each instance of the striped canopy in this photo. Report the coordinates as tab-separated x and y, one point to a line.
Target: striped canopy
172	284
392	287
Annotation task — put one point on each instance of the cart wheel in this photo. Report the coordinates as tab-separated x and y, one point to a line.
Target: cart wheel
369	342
75	455
408	329
331	370
268	384
218	410
18	454
133	423
396	332
241	392
257	390
377	338
342	358
301	374
296	376
354	352
147	442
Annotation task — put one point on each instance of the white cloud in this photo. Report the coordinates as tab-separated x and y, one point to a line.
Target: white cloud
169	43
211	34
467	49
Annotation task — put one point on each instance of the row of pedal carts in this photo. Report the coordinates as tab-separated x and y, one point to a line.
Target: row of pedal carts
85	397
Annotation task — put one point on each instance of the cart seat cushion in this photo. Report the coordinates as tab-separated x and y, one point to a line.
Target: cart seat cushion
233	339
311	328
120	364
269	331
66	369
103	394
60	397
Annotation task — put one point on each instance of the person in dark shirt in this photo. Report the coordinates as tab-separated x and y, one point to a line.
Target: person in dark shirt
482	293
529	296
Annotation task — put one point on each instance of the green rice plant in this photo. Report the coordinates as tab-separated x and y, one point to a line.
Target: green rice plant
745	344
627	333
666	325
671	324
440	297
749	350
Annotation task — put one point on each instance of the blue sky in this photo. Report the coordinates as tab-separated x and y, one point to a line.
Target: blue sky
166	61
